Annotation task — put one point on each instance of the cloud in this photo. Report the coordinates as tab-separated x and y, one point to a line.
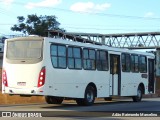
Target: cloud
44	3
89	7
7	2
149	14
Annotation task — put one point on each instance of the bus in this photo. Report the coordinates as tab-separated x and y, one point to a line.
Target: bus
59	69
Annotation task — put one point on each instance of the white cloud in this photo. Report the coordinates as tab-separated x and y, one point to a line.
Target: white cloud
7	2
89	7
149	14
44	3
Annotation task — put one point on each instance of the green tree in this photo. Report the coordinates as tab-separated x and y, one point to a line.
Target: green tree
36	25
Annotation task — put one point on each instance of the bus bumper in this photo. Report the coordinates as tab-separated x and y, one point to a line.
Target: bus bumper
26	91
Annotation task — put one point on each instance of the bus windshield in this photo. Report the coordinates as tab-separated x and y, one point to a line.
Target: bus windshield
24	49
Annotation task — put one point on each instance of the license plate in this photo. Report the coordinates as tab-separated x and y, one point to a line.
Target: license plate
21	83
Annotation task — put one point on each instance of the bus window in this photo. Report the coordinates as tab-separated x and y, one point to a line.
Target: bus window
70	58
78	58
23	49
128	63
30	51
115	65
89	59
142	64
125	62
74	58
58	56
134	63
102	60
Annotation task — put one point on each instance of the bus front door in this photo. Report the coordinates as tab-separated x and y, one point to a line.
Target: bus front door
115	79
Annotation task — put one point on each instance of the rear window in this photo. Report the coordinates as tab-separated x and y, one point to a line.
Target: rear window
24	50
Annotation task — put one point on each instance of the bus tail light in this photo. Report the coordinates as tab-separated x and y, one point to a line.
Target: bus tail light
41	79
4	78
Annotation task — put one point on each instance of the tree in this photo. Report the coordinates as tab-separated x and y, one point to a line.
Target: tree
36	25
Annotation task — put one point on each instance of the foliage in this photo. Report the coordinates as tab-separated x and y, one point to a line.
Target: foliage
36	25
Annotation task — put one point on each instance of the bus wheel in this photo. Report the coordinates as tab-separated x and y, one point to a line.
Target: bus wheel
89	97
138	98
53	100
108	99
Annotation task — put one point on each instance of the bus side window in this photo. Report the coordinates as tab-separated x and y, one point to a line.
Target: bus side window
70	58
126	62
89	59
123	62
134	63
78	58
74	58
142	64
102	60
58	56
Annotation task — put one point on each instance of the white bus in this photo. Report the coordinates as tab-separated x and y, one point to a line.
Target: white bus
59	69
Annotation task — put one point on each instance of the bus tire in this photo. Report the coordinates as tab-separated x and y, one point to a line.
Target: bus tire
138	98
89	97
53	100
108	99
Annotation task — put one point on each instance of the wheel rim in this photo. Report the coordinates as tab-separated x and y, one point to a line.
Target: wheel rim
90	96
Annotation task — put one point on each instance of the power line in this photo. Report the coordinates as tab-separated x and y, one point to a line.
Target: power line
99	14
105	14
88	26
6	13
101	27
111	29
5	24
95	25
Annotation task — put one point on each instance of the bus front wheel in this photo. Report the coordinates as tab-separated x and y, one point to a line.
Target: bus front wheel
89	97
53	100
138	98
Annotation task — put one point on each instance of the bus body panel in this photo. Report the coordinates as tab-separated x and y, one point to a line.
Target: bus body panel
130	83
22	78
72	83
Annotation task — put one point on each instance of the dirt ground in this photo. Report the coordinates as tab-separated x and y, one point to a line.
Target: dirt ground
16	99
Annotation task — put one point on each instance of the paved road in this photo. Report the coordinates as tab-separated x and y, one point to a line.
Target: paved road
100	110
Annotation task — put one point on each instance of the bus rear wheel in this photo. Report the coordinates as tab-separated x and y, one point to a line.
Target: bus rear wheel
53	100
89	97
138	98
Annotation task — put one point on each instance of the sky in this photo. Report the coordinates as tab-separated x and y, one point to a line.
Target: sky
86	16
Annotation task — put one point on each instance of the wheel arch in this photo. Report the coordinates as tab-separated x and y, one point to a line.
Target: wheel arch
94	86
141	85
